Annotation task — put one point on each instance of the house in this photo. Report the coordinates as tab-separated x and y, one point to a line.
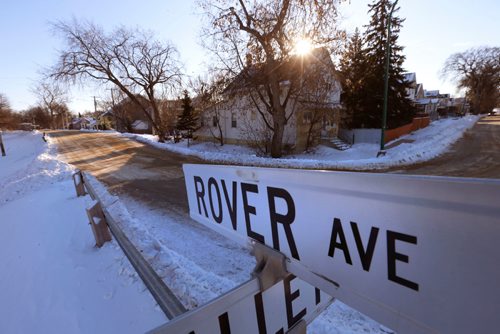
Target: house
106	120
79	123
240	116
129	117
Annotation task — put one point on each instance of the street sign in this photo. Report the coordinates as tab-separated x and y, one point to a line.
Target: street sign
418	254
247	310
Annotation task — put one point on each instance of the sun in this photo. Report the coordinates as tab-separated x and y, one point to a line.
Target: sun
303	46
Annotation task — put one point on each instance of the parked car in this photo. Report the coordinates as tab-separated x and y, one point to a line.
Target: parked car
495	111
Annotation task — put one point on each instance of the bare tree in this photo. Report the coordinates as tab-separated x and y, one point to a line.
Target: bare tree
210	102
478	71
7	119
254	39
52	97
132	60
37	116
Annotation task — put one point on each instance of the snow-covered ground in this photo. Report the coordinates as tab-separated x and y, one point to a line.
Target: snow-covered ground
422	145
53	279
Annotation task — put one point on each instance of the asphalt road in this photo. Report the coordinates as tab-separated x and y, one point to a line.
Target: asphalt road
125	166
476	154
155	177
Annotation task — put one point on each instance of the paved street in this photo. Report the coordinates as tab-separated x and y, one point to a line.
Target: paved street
476	154
155	176
143	172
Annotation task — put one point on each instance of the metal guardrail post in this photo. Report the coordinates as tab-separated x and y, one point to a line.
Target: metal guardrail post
168	302
98	223
78	182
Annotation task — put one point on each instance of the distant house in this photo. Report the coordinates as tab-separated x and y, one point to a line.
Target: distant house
129	117
106	120
428	106
79	123
312	113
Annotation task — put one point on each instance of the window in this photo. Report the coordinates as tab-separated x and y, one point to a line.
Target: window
233	120
307	117
215	121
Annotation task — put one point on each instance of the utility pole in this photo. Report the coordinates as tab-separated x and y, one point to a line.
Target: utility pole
1	145
95	106
386	81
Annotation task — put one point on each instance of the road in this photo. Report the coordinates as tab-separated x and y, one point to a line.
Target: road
147	174
476	154
155	176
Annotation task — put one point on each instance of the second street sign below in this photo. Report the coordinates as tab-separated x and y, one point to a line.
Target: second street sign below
419	254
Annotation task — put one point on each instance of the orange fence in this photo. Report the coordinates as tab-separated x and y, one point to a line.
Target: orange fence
417	123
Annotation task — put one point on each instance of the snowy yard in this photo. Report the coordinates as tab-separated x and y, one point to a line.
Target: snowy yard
422	145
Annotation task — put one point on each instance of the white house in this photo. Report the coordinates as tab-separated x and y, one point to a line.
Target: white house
241	116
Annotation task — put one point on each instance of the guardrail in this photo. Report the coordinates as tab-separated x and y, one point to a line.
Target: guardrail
100	219
270	280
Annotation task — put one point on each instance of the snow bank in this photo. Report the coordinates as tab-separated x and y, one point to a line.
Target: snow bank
425	144
53	278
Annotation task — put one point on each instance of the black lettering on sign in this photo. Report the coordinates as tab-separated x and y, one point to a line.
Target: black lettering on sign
224	324
231	206
249	209
259	310
317	293
200	194
365	255
337	231
393	256
212	184
284	219
289	298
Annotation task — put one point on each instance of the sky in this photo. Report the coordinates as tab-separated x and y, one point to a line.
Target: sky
433	30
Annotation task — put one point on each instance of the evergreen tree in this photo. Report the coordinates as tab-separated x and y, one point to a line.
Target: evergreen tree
187	120
400	109
353	74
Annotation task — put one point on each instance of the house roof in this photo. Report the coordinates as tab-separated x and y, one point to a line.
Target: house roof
431	93
255	74
410	77
427	101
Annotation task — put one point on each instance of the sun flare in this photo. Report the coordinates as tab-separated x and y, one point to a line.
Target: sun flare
303	46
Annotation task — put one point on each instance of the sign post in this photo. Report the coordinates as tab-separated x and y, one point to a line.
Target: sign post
418	254
274	301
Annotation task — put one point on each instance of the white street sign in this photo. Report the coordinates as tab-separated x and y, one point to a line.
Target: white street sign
419	254
246	310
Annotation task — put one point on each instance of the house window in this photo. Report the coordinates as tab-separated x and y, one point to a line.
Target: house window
233	120
307	117
253	115
215	121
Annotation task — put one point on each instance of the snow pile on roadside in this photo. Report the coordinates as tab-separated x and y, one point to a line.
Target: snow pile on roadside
28	166
53	278
192	284
427	143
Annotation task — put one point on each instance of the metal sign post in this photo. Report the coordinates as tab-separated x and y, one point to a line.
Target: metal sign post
274	301
418	254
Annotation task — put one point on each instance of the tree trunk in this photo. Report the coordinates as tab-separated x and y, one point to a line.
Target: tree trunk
277	140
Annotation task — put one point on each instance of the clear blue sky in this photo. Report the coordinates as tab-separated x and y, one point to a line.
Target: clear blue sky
433	30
